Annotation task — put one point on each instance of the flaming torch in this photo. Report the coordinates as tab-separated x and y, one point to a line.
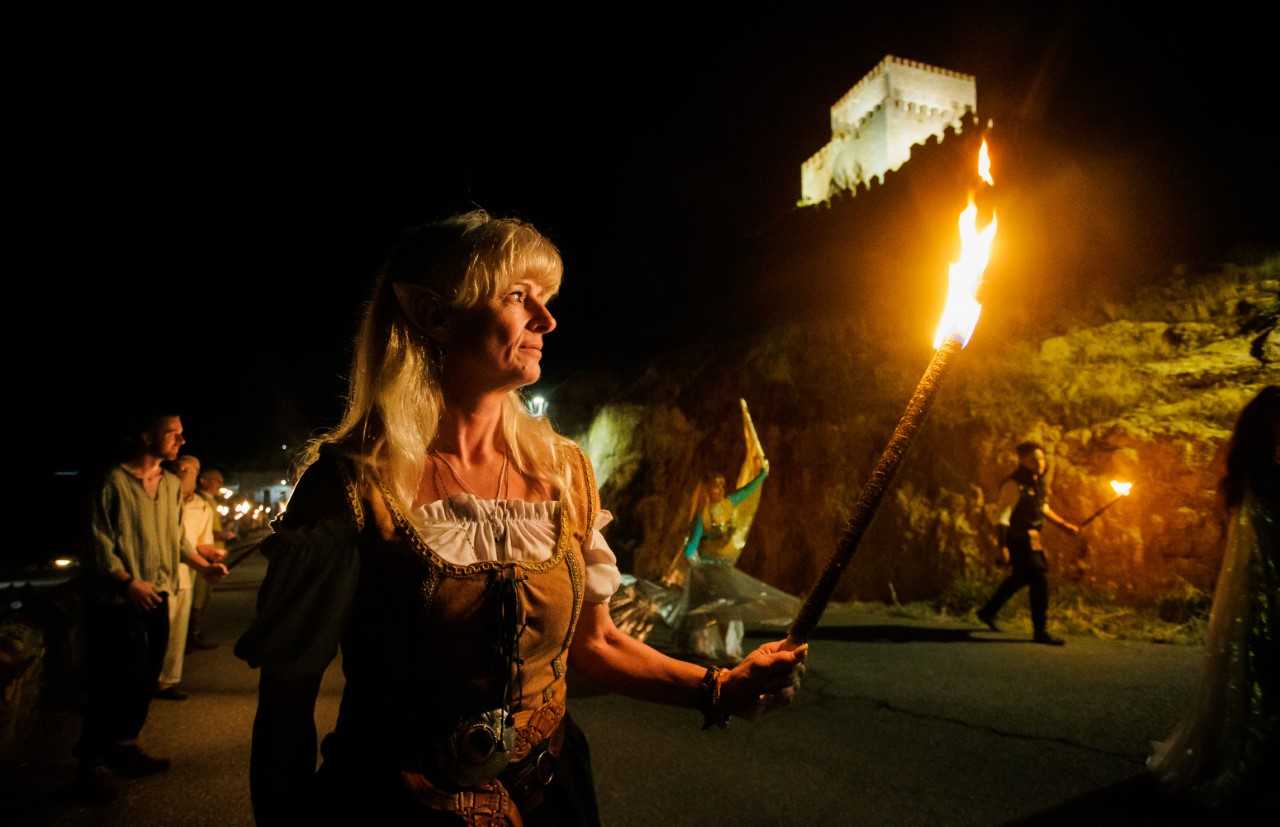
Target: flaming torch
959	318
1122	490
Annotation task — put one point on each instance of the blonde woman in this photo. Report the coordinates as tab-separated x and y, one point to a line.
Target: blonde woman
450	543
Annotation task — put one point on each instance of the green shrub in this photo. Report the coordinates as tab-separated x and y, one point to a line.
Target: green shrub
967	594
1183	604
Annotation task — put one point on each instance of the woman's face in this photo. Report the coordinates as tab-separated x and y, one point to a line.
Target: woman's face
497	345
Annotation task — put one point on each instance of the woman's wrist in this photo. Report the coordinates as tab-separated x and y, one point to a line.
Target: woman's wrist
711	699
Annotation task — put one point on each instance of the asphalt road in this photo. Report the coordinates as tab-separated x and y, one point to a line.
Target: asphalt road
899	723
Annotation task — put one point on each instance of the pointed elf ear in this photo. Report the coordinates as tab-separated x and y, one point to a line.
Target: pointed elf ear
423	308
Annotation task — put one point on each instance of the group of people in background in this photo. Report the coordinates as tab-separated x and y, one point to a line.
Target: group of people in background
156	543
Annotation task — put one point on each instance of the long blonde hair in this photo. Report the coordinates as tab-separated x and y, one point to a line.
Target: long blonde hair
394	403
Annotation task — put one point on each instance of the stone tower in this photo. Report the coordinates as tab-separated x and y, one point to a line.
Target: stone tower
897	105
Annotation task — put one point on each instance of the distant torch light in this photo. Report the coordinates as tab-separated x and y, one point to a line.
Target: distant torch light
64	563
538	406
284	482
1122	490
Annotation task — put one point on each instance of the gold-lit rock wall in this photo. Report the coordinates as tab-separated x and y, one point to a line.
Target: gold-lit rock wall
1146	392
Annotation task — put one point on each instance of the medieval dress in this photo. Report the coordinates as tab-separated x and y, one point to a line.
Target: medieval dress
1225	744
460	608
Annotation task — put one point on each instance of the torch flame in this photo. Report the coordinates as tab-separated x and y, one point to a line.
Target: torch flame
960	316
984	165
1121	488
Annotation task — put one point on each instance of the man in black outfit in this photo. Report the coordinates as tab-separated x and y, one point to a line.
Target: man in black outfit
1023	508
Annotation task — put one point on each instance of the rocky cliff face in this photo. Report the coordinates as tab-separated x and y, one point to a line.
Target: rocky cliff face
1145	390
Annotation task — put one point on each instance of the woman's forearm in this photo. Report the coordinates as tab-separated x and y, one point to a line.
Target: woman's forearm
618	663
624	665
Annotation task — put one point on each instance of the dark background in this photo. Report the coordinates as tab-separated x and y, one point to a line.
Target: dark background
210	204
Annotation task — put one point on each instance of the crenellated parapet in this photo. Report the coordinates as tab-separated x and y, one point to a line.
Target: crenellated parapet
898	104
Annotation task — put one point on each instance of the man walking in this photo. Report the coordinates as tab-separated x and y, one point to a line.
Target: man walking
1023	508
136	545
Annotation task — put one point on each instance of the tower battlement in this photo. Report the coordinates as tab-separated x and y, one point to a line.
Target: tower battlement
896	105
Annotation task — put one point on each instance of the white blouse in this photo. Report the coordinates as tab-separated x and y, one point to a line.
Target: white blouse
465	529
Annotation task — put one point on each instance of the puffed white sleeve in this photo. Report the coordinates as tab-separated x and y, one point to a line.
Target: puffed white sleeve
603	576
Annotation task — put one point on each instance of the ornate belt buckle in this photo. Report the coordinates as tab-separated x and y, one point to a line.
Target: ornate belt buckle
480	748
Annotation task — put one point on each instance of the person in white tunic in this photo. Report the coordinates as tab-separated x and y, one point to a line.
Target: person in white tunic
197	527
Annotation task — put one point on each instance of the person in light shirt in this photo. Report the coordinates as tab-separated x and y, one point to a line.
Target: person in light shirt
208	487
132	572
197	527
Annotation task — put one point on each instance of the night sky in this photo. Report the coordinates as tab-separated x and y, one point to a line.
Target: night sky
211	207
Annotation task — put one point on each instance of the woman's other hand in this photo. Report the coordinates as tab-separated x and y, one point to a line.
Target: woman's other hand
766	679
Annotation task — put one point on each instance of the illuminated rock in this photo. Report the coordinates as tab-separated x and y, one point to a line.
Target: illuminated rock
1148	397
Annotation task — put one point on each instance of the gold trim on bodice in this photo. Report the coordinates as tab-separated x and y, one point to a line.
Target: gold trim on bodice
541	702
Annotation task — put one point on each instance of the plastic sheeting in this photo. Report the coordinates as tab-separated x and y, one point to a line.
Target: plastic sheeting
703	607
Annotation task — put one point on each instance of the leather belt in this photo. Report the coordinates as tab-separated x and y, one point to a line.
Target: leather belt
527	780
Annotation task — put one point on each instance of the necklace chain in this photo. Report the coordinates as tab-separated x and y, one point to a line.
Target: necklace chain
503	489
495	515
